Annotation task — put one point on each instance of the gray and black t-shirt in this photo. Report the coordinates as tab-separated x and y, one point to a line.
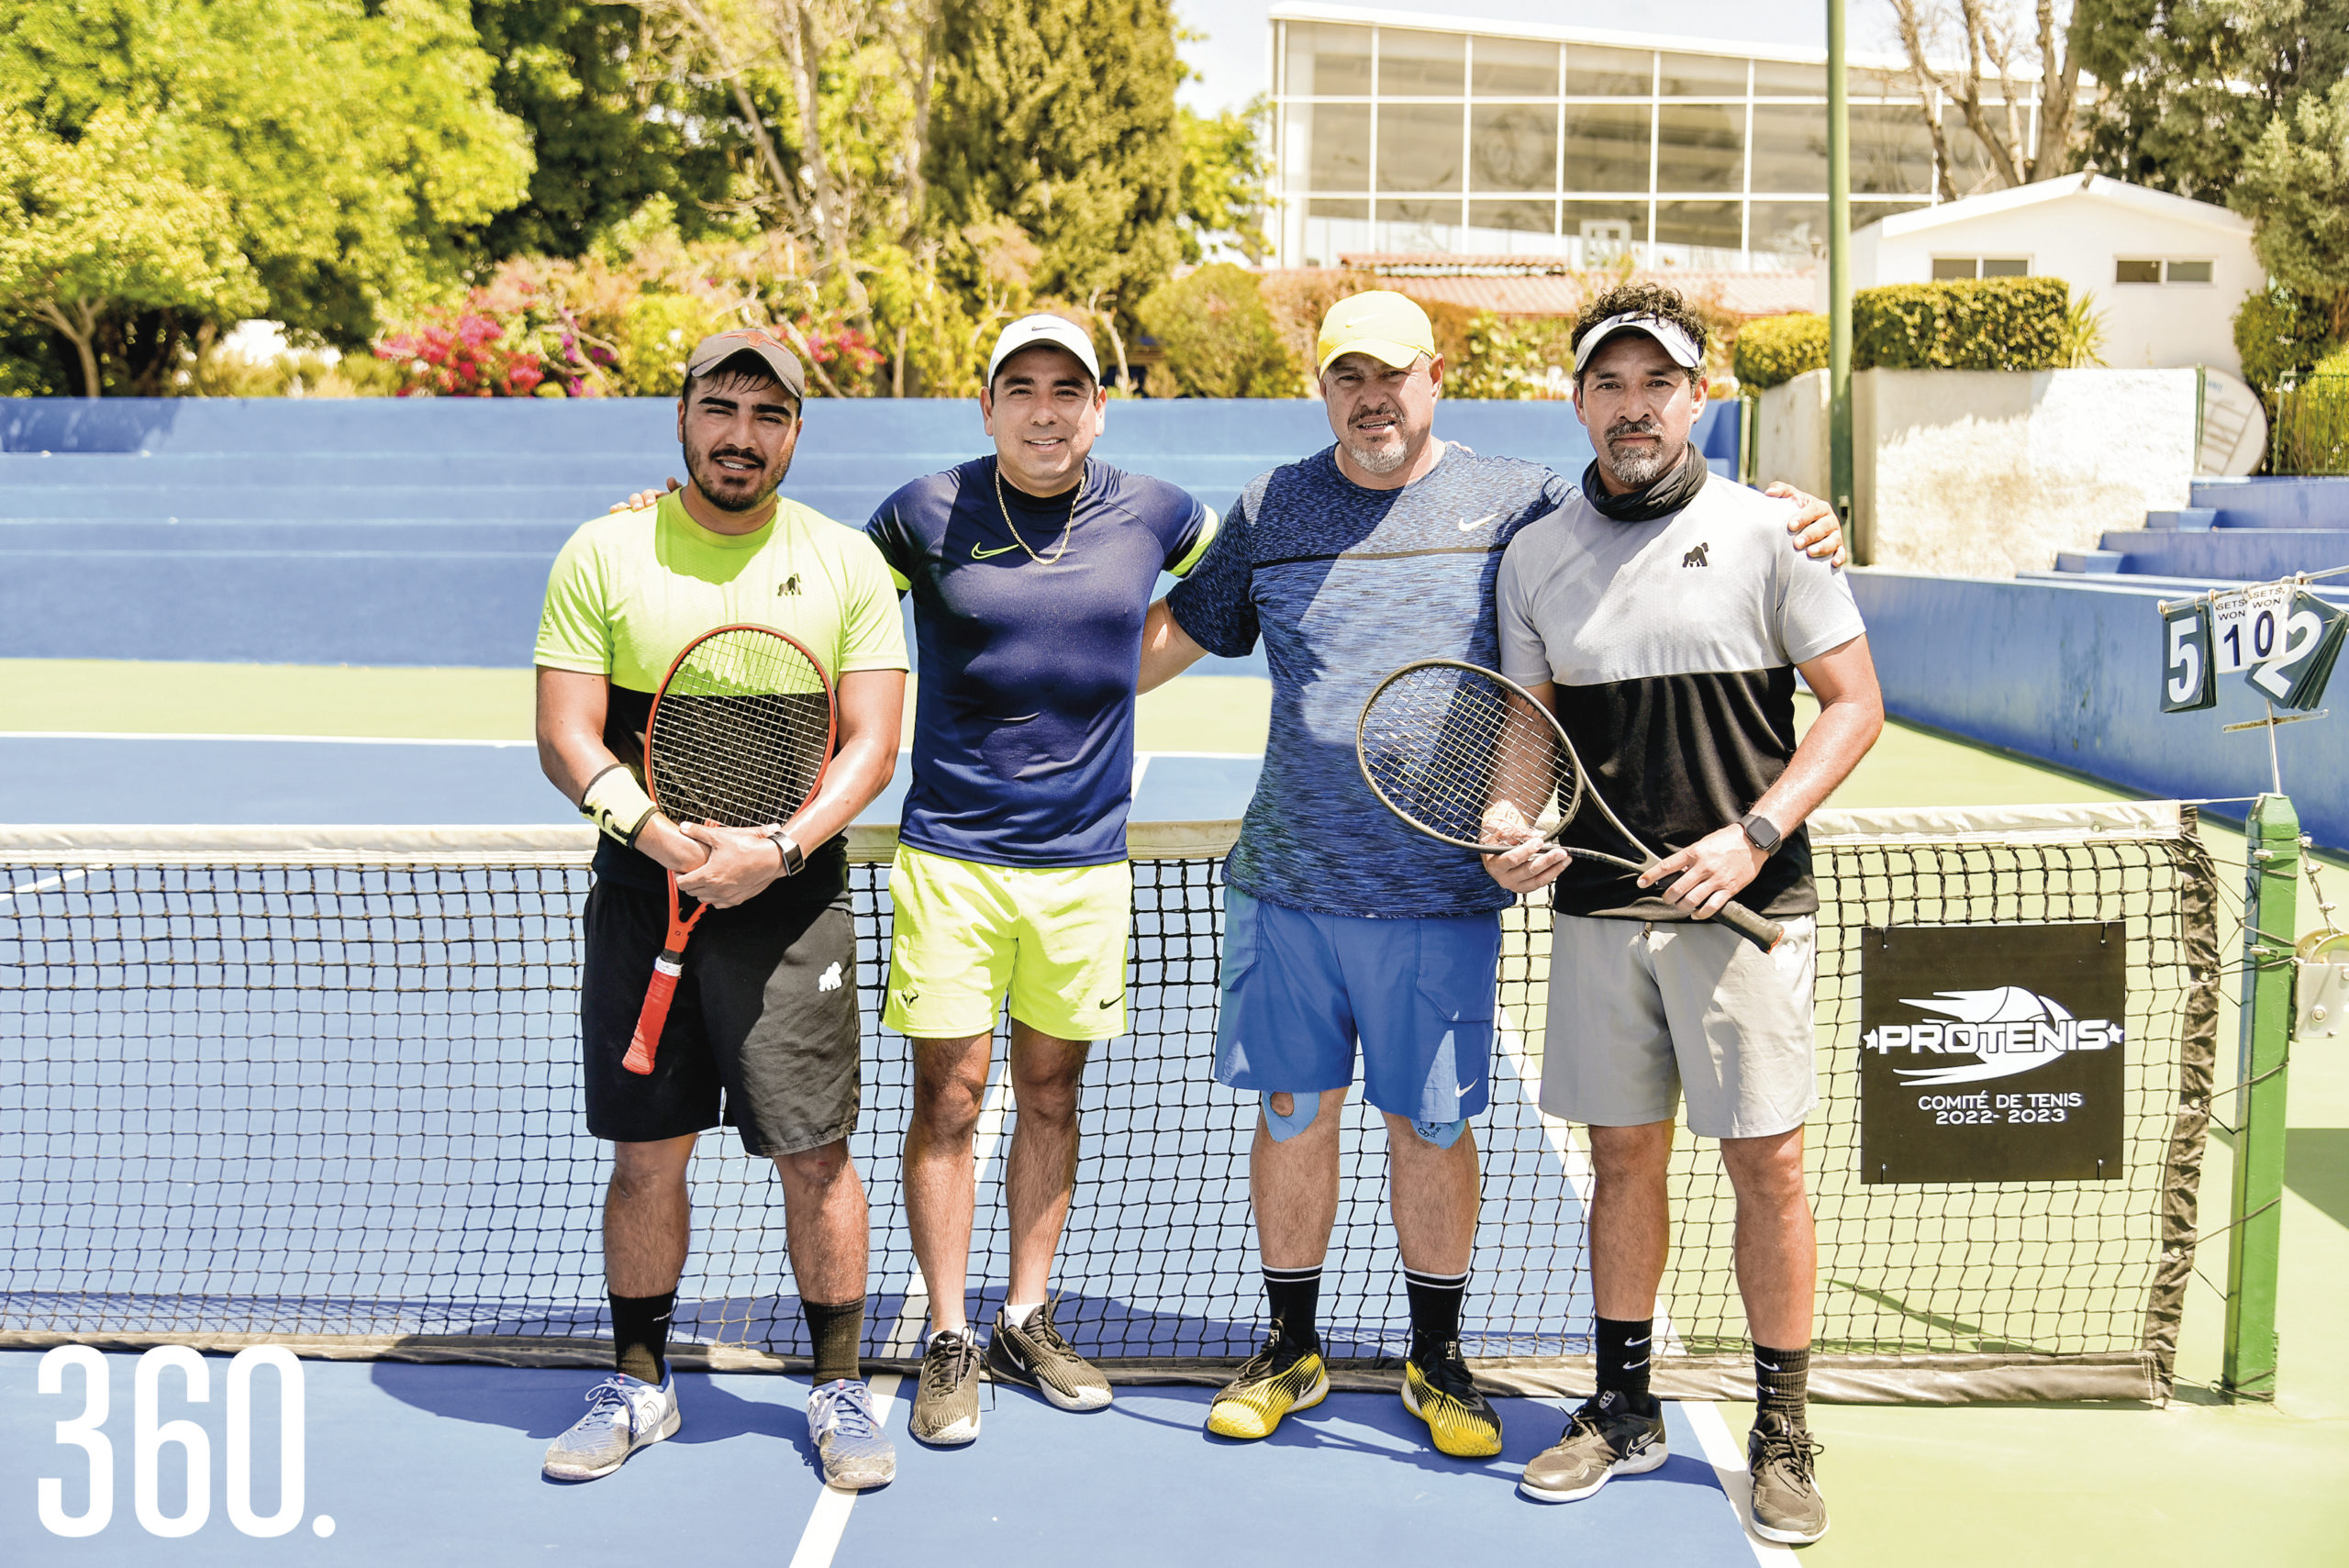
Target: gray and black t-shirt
1672	643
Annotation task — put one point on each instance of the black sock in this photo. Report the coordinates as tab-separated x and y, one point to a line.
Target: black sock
640	1334
835	1334
1623	1362
1435	1309
1295	1297
1781	1382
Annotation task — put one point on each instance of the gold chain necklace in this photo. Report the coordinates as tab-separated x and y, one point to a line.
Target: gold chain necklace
1066	527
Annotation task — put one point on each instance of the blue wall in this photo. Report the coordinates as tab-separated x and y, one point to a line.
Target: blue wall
413	531
2071	673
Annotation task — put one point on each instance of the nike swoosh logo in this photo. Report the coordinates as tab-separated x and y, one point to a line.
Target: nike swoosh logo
978	554
1479	522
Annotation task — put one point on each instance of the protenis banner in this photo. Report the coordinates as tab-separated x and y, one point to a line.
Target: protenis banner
1991	1053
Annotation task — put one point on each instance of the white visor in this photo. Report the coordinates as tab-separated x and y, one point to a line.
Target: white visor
1030	330
1675	339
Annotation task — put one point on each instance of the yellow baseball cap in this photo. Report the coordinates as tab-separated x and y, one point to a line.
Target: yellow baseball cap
1381	323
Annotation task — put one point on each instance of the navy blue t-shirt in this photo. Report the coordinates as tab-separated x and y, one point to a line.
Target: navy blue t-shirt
1345	585
1028	655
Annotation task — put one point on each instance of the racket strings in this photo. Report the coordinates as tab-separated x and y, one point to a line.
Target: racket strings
1464	758
742	732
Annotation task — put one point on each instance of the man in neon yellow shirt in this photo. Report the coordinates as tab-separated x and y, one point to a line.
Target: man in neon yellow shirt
763	1036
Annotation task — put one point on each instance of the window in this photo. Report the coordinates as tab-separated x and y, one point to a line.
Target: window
1947	268
1702	147
1608	72
1516	68
1514	147
1704	76
1340	136
1413	65
1328	61
1607	147
1419	147
2147	270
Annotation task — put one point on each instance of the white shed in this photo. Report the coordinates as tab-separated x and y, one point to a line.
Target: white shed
2165	272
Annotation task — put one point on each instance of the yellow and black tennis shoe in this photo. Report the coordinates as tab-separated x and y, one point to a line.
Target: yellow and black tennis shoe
1440	1392
1276	1380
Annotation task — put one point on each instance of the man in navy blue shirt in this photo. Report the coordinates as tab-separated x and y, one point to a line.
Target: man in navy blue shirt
1340	924
1031	574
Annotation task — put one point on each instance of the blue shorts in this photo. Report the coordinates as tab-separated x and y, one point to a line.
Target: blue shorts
1299	988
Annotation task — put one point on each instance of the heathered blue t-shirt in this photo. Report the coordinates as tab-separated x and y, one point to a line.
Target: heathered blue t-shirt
1028	655
1345	585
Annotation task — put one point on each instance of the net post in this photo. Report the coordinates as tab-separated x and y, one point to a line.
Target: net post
2255	1209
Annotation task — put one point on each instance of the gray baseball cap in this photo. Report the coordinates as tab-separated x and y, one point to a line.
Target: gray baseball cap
720	347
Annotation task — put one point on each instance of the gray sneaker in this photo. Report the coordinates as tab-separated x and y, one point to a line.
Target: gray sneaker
946	1410
623	1413
1787	1507
1606	1439
1037	1355
848	1436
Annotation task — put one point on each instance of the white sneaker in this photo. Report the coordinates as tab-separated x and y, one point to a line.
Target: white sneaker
848	1436
623	1413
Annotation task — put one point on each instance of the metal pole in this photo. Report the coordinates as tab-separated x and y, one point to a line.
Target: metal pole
2254	1209
1839	283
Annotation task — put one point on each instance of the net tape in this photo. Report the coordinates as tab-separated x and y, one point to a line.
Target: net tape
319	1087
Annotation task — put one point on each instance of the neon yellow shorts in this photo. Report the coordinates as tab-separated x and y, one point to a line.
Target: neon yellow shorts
966	934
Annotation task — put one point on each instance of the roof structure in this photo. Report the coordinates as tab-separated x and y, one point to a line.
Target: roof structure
1545	285
2065	187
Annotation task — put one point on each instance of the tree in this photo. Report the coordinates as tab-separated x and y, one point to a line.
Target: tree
1219	339
611	121
1225	175
1058	115
2295	188
353	144
2003	51
92	228
2187	86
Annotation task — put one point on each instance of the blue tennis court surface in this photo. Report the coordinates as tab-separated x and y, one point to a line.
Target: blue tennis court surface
440	1464
224	780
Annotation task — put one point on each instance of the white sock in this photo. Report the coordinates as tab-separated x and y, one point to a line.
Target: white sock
961	1324
1020	1315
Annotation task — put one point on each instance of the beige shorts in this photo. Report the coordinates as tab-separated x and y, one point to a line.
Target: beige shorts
1641	1013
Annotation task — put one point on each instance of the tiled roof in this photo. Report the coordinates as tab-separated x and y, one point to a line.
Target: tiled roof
1542	285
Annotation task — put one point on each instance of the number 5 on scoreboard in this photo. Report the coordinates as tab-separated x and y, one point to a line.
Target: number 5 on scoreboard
2189	682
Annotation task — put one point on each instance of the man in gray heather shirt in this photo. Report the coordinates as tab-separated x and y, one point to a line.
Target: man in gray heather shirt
1348	938
1660	615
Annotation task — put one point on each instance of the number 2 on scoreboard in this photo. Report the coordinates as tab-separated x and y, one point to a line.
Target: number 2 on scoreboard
2188	681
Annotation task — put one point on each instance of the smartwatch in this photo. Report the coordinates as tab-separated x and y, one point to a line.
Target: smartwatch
794	857
1762	833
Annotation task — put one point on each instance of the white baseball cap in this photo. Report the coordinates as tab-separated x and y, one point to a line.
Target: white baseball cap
1671	334
1030	330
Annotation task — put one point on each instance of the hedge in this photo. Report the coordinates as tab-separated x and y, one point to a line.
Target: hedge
1776	349
1986	324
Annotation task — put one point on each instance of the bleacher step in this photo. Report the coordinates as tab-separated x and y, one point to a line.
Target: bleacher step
2091	562
2183	520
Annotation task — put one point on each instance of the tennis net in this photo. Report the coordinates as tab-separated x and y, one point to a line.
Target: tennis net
318	1087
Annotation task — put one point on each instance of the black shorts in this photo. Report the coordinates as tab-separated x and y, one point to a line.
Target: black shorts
761	1035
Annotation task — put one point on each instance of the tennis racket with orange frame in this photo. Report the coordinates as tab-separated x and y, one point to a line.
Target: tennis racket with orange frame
741	731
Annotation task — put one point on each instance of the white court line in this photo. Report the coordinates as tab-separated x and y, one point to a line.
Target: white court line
821	1538
1721	1451
46	885
299	740
1141	766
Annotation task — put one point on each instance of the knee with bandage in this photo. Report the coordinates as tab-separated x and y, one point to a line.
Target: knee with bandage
1443	1134
1303	1108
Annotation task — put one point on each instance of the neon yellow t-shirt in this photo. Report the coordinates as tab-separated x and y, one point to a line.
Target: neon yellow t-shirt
631	589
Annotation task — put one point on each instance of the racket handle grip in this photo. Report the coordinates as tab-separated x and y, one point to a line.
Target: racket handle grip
1763	933
655	1016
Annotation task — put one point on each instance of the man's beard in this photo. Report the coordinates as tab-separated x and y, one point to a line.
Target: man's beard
707	475
1382	461
1637	471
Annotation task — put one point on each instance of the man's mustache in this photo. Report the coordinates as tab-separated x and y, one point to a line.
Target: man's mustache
1622	428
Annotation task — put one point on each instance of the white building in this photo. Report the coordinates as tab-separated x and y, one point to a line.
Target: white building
1403	131
2165	273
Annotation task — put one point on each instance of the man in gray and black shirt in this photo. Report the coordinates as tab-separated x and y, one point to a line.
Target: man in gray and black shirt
1664	620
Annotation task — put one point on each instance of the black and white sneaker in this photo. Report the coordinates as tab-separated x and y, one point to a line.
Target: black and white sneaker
946	1404
1607	1438
1035	1354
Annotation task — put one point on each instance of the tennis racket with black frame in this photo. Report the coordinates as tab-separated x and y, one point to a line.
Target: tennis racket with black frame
1471	757
740	735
